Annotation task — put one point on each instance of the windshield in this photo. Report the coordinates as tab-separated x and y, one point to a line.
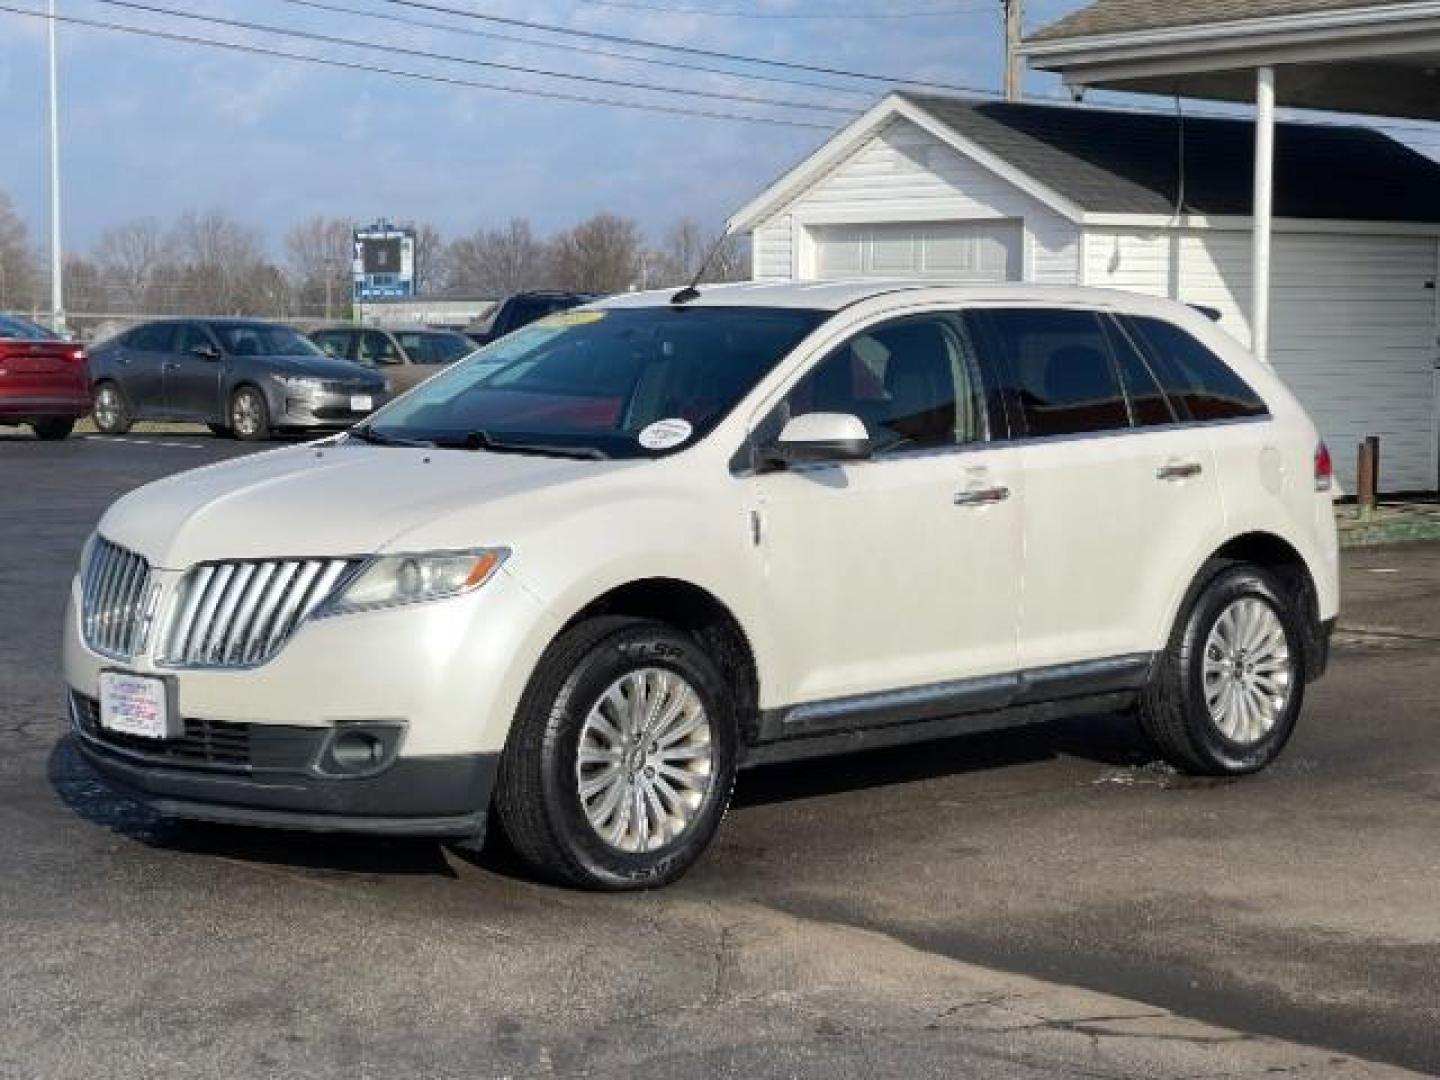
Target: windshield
262	339
24	329
630	382
431	348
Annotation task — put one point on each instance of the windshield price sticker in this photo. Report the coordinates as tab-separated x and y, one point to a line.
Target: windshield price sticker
665	434
572	318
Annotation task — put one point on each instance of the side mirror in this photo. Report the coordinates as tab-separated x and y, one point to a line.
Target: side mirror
818	438
206	352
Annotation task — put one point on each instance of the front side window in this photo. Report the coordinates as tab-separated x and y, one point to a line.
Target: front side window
912	382
628	382
1055	369
377	348
190	337
1202	386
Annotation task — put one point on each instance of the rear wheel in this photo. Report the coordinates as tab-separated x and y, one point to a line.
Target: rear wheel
622	759
1226	693
53	430
249	415
112	415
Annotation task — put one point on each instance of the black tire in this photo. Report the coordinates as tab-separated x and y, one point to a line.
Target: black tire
112	411
1173	708
537	799
249	415
53	430
220	431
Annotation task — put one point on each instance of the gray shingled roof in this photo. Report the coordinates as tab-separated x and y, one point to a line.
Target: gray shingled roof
1107	161
1118	16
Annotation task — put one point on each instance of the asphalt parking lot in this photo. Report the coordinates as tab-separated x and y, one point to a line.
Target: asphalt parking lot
1048	902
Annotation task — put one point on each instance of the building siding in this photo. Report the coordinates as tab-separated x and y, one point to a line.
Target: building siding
903	173
1352	326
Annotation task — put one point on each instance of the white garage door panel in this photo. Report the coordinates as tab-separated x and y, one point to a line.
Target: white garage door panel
1353	334
952	250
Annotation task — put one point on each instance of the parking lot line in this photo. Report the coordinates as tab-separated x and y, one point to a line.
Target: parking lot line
144	442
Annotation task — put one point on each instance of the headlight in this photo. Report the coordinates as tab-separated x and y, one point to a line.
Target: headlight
301	386
410	579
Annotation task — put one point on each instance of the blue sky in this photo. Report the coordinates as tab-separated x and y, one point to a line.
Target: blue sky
153	128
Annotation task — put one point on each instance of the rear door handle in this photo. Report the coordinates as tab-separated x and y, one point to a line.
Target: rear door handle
1179	470
982	496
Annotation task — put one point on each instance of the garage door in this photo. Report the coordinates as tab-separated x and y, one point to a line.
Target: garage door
948	250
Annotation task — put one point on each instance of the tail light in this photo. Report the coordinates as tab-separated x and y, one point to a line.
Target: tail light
1324	469
79	356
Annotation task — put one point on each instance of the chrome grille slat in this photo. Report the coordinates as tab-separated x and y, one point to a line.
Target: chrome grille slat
115	590
239	614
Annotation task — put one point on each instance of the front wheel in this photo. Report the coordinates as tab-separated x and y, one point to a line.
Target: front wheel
622	759
53	430
1227	692
249	415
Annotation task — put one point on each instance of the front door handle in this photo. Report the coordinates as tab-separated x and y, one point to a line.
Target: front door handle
1179	470
982	496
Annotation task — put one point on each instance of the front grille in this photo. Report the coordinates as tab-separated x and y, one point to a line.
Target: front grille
333	386
237	614
206	743
115	595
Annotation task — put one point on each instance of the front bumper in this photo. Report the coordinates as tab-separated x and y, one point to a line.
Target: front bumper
274	776
330	409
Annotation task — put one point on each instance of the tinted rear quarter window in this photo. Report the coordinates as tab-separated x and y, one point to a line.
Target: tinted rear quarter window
1054	369
1201	386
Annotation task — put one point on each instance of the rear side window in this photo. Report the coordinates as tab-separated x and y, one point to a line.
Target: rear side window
1055	370
1201	386
1148	405
333	343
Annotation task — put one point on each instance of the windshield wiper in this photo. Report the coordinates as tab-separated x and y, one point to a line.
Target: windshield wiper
367	434
483	440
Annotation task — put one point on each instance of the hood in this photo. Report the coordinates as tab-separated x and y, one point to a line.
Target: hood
332	500
320	367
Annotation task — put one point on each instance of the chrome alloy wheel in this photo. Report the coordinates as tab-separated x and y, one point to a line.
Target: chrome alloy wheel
245	414
645	761
1248	670
107	407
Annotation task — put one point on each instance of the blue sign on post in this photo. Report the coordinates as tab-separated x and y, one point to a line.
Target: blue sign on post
384	267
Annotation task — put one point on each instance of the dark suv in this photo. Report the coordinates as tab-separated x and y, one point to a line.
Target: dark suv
521	310
239	377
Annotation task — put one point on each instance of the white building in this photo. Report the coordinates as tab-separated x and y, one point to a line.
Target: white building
953	189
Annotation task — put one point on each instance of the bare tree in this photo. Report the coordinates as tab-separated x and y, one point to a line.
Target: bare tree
429	259
687	247
223	265
85	291
19	278
319	253
132	258
598	255
731	260
497	262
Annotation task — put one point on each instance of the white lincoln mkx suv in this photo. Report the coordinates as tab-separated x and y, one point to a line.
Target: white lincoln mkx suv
578	580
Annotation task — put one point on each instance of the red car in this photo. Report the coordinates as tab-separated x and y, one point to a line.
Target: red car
44	380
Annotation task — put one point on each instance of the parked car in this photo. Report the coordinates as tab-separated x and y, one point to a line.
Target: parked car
238	376
44	380
522	309
408	356
582	578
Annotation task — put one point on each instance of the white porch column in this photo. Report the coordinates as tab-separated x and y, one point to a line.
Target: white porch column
1264	209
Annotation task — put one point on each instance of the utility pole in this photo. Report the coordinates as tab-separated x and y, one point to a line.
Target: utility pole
1014	66
57	267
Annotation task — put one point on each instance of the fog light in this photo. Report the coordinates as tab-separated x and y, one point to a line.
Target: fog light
357	751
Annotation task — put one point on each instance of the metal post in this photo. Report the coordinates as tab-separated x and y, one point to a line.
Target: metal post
1264	209
1367	475
57	281
1014	67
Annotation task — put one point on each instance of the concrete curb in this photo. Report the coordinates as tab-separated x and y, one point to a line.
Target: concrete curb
1382	529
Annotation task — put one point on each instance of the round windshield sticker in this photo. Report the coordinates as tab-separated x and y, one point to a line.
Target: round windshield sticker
664	434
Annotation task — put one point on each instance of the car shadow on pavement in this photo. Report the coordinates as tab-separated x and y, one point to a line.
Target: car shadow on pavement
90	798
1113	740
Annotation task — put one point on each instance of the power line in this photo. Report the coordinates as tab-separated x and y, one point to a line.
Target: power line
401	73
586	50
732	13
422	54
689	50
